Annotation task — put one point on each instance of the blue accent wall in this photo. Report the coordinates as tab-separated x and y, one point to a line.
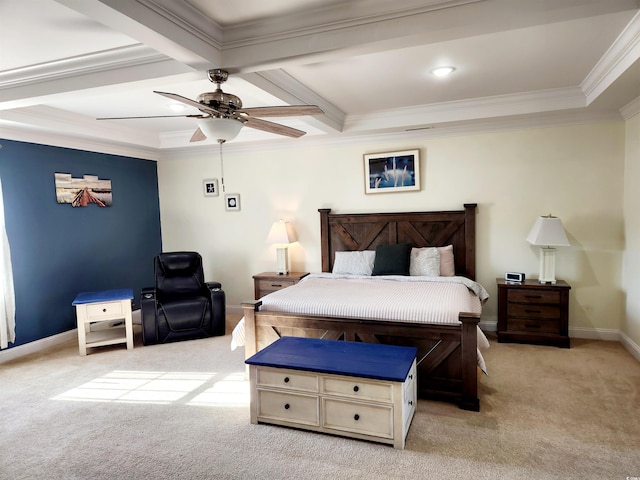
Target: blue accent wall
58	250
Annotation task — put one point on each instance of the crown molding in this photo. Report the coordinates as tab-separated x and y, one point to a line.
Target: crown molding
189	18
73	125
330	19
480	108
476	127
112	59
42	137
630	109
622	53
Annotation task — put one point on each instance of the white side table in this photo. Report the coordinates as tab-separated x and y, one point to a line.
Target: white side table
97	313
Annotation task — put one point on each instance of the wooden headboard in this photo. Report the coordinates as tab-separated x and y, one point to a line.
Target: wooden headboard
365	231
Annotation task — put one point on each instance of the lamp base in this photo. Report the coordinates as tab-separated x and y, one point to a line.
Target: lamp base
282	260
547	266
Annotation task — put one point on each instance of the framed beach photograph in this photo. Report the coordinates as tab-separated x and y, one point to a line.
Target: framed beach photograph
392	171
211	187
232	201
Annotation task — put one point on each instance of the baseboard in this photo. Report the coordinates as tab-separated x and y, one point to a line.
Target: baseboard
632	347
577	332
488	326
38	345
595	333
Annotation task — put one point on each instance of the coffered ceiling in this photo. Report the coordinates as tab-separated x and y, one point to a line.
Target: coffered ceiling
366	63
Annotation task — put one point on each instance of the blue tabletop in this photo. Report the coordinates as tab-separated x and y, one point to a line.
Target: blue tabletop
356	359
103	296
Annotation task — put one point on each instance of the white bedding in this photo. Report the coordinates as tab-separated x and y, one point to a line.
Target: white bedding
378	297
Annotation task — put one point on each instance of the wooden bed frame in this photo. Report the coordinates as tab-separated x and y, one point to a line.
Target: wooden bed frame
447	356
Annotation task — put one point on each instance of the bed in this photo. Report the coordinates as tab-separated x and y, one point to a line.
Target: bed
448	354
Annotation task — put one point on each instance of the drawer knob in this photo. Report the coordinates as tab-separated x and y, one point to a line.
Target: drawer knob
356	417
410	402
355	389
104	309
286	379
287	406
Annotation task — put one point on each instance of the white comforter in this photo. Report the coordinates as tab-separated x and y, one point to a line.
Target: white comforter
377	297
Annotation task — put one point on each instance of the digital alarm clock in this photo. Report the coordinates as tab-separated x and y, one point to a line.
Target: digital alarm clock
514	277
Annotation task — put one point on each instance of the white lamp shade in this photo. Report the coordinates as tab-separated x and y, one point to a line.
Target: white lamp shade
224	129
281	233
548	231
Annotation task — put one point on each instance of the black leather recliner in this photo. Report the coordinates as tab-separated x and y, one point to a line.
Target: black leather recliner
182	306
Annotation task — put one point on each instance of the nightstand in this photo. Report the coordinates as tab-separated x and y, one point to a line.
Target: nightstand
267	282
531	312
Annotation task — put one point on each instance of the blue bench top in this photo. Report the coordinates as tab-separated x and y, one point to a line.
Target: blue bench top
103	296
355	359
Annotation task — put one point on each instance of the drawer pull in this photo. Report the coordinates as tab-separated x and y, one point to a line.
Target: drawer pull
287	406
532	311
286	379
355	389
276	285
533	296
356	417
531	325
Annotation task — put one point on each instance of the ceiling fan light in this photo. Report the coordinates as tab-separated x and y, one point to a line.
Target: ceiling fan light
220	129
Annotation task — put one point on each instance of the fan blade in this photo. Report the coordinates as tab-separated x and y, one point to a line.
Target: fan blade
200	106
151	116
286	111
198	136
272	127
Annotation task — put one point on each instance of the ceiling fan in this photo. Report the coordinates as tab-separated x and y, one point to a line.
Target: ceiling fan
223	116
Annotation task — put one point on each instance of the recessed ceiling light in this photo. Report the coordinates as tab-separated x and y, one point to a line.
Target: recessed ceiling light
443	71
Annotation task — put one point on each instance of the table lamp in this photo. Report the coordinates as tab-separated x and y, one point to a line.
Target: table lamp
548	232
281	235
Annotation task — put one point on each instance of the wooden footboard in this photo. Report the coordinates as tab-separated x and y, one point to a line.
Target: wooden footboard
447	355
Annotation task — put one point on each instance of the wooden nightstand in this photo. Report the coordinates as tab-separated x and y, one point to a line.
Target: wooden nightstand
530	312
267	282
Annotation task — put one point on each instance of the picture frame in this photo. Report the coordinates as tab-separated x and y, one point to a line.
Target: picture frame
210	187
232	201
389	172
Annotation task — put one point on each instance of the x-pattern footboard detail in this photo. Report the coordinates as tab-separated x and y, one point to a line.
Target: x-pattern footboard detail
443	372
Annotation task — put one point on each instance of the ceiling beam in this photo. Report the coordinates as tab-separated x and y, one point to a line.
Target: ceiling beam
172	28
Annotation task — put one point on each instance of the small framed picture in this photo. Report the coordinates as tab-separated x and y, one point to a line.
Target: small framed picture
232	201
392	172
211	187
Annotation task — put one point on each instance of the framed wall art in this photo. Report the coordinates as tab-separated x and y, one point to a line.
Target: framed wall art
232	201
80	192
392	171
211	187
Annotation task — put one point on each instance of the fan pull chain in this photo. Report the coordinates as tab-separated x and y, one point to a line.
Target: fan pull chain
220	142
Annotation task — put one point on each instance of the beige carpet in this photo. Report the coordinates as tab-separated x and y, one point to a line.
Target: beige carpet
180	411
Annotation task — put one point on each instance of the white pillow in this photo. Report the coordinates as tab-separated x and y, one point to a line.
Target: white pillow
354	263
424	262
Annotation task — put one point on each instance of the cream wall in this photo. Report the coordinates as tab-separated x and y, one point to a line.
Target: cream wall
574	172
631	264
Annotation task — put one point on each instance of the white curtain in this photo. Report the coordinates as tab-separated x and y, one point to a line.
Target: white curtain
7	295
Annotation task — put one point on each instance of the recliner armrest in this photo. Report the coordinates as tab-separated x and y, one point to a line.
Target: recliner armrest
213	286
148	314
